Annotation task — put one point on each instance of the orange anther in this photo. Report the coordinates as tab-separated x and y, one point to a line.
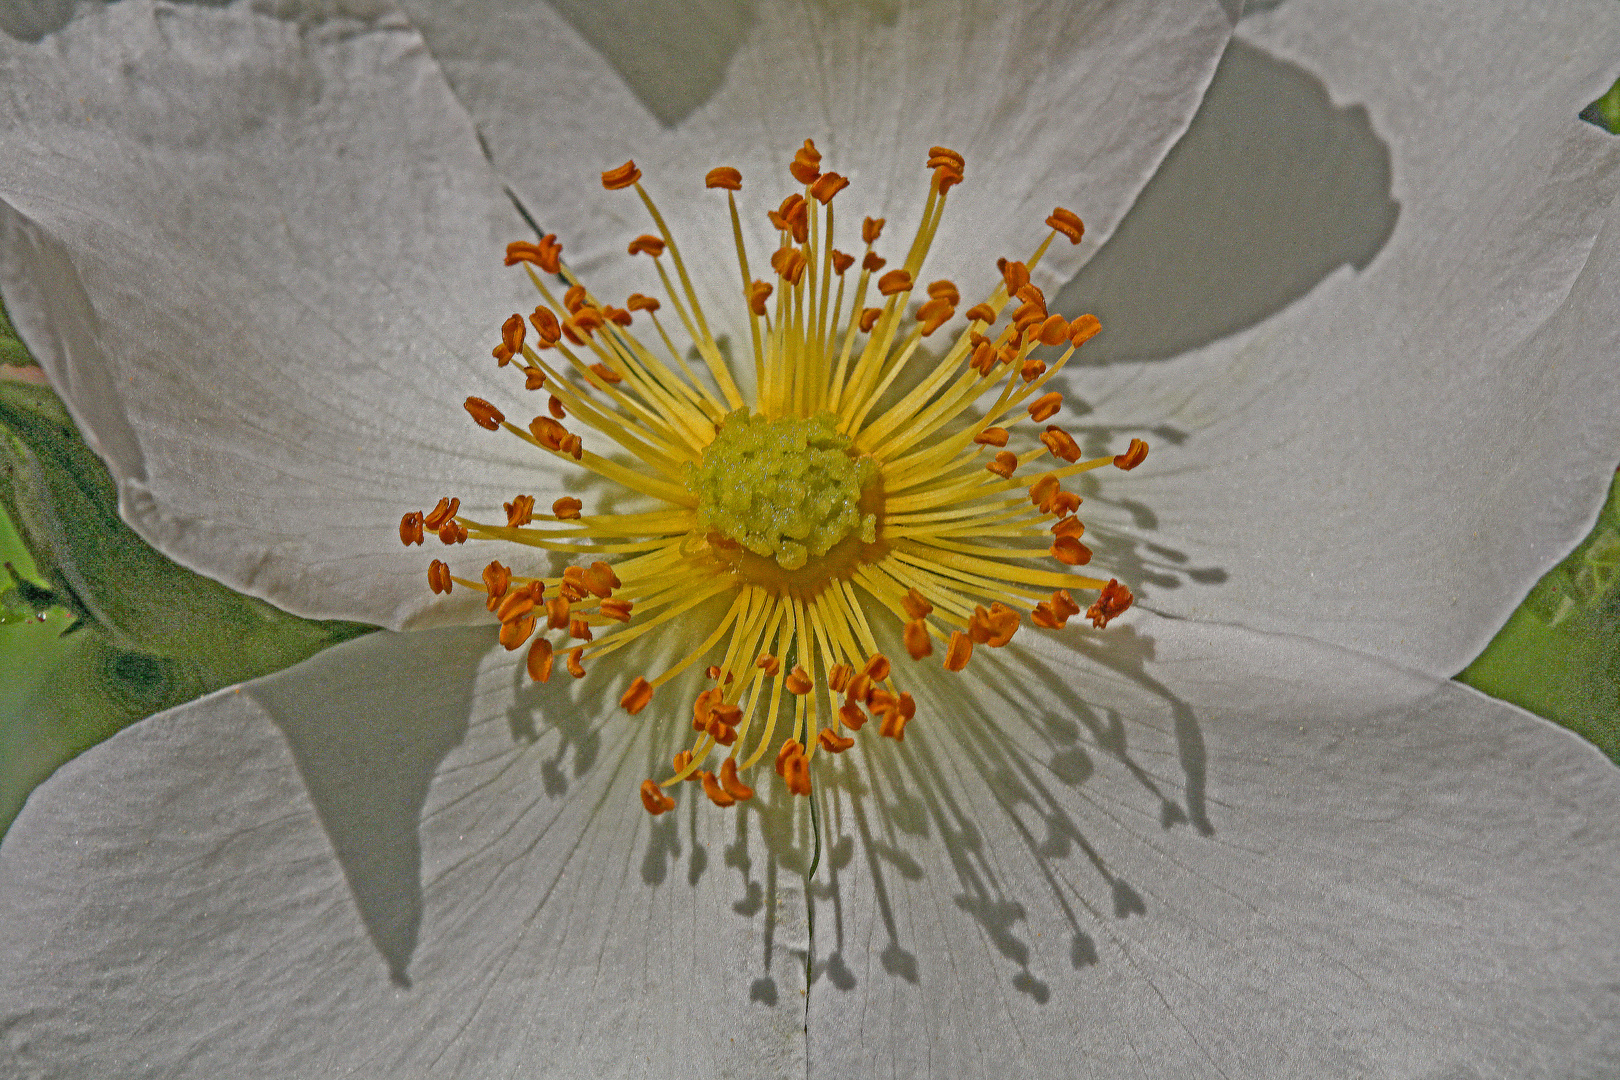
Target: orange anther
958	652
520	511
497	579
566	508
1083	329
410	528
769	664
703	707
600	579
984	358
851	715
869	318
916	605
895	281
860	687
547	432
588	320
546	325
798	681
681	760
872	262
574	575
1030	293
654	799
841	262
934	314
616	609
618	316
439	576
758	293
647	242
805	166
1004	464
981	313
991	436
516	604
826	186
547	254
723	176
918	643
942	155
1054	331
511	341
575	299
557	612
539	661
1045	407
788	263
1068	223
579	629
1069	526
1133	456
1027	317
1070	551
733	786
571	592
1063	604
946	177
894	724
514	634
871	229
622	177
1016	276
877	667
1112	603
573	447
1061	443
452	532
636	698
575	668
573	338
945	289
554	406
1044	617
533	377
797	774
1002	623
790	748
638	302
833	742
838	677
442	513
484	414
1042	491
721	732
712	671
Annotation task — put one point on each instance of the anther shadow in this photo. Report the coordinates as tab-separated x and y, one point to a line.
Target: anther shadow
907	796
367	753
1270	190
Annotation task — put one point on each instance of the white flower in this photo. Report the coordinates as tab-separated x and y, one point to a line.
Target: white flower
1248	831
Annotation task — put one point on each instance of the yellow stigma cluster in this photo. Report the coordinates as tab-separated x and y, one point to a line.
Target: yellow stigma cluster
826	500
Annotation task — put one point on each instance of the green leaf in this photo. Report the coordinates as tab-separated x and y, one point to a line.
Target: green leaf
12	350
97	629
1605	111
1559	654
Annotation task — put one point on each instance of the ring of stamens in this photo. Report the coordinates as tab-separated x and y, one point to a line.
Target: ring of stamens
828	487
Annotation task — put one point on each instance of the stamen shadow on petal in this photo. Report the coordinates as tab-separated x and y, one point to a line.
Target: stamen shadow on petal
367	754
1271	189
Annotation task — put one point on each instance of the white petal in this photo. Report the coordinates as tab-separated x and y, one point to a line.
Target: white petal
1051	104
1199	852
1390	462
261	261
1176	848
173	894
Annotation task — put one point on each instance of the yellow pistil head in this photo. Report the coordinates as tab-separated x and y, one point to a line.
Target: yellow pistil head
786	489
864	474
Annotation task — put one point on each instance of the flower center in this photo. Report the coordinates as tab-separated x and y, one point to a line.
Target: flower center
786	489
828	501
